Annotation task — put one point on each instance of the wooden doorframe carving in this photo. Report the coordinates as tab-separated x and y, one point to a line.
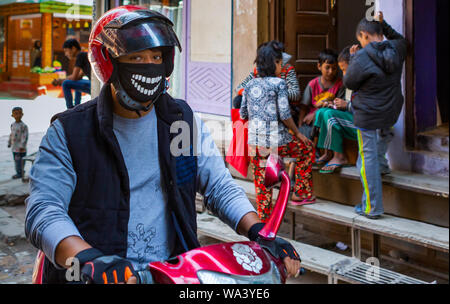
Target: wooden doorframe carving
410	115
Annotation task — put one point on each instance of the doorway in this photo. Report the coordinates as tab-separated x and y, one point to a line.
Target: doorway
23	31
309	26
426	98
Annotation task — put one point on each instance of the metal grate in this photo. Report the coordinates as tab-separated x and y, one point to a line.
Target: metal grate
355	271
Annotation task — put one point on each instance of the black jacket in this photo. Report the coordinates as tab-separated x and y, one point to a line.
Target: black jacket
374	74
100	204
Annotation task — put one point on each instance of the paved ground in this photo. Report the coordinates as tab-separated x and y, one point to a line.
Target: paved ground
6	159
17	256
37	112
37	115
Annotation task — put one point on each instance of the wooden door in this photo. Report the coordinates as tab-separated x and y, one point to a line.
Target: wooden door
310	26
23	30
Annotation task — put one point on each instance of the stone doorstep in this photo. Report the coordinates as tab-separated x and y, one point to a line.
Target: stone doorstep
11	229
414	182
430	184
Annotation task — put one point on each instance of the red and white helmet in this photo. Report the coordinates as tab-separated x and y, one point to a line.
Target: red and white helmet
127	29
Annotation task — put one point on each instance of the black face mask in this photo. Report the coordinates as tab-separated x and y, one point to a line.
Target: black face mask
143	82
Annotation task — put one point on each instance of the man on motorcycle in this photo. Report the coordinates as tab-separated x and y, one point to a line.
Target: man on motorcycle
111	185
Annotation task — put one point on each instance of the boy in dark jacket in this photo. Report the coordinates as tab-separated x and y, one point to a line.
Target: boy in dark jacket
374	74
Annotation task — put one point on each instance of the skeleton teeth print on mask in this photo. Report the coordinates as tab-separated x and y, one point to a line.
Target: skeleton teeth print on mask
137	80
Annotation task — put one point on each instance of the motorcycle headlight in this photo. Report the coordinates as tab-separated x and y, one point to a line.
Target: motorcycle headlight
212	277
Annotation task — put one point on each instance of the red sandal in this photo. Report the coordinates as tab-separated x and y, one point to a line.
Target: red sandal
306	201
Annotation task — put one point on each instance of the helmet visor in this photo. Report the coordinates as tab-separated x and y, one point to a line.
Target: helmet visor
143	36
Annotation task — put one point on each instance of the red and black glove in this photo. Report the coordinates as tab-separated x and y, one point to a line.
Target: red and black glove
97	268
279	247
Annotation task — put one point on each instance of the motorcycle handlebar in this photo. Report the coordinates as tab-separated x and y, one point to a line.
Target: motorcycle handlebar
144	277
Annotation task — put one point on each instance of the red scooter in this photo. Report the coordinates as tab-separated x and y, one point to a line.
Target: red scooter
232	263
226	263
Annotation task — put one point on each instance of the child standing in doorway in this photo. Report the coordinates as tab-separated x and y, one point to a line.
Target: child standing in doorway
18	140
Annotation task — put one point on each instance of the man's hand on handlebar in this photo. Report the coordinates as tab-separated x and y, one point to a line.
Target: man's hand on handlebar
100	269
279	248
292	267
132	280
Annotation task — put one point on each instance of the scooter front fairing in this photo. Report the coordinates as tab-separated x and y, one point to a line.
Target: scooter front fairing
227	263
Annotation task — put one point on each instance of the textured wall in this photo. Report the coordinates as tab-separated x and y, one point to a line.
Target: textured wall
211	31
208	67
399	159
245	23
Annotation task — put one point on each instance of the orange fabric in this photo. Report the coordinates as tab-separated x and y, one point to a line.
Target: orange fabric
105	279
128	273
116	281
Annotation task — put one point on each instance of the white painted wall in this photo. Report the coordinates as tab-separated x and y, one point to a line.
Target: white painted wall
245	41
399	159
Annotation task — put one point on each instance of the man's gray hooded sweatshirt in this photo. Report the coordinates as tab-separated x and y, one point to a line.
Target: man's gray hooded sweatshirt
374	74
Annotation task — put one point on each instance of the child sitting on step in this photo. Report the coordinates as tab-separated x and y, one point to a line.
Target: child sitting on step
320	92
335	123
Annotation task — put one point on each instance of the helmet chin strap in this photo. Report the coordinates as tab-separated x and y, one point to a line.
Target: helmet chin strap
130	104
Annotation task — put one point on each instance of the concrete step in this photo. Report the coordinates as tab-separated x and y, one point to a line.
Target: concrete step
334	265
409	195
430	163
11	230
430	184
13	192
429	236
435	140
415	182
313	258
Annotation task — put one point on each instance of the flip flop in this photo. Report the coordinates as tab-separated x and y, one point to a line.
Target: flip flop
307	201
338	167
320	162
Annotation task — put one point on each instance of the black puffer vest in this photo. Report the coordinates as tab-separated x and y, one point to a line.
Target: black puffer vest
100	204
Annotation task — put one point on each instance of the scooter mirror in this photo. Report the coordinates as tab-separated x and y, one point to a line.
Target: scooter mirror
274	174
274	167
